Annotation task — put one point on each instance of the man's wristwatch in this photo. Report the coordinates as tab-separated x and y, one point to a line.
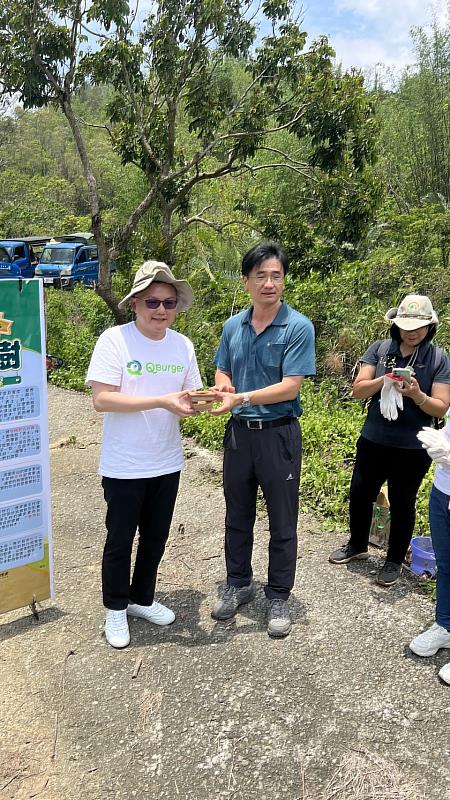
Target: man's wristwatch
246	400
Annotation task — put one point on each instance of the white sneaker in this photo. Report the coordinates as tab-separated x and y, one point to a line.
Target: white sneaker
430	641
156	613
444	673
116	628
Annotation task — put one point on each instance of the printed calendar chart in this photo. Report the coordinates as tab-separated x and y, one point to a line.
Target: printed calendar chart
25	521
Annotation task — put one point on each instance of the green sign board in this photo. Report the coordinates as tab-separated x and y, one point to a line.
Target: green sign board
25	521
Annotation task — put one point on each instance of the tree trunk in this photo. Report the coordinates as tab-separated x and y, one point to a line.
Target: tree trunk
107	294
103	288
168	241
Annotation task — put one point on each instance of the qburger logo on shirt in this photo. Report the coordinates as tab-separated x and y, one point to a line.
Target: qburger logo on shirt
134	368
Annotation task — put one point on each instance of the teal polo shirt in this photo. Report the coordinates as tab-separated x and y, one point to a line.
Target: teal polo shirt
254	361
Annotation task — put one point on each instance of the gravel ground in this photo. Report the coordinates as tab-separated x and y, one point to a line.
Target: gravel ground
340	710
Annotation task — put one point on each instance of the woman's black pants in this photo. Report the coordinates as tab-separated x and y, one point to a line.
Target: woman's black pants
404	470
146	504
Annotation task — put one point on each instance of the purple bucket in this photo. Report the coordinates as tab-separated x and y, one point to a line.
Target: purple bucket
423	560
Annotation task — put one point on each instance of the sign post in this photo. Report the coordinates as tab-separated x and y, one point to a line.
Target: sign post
26	574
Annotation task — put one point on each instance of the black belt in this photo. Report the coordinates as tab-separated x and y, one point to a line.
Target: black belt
260	424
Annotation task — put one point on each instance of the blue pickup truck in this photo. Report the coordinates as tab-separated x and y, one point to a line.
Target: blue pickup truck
69	260
19	257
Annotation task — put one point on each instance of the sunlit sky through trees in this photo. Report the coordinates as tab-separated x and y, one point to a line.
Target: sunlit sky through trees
372	35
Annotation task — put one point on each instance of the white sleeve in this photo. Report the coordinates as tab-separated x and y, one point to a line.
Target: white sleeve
193	379
106	361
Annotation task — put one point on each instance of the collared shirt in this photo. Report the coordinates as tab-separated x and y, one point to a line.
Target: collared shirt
402	432
255	361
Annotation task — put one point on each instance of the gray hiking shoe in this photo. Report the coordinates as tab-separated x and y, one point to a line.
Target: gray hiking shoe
347	553
389	573
278	618
231	598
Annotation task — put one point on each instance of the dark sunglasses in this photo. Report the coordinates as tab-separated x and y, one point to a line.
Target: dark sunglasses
152	302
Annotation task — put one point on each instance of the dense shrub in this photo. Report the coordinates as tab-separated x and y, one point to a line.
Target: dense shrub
75	319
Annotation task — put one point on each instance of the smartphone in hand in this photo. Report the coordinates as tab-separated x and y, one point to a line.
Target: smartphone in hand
403	372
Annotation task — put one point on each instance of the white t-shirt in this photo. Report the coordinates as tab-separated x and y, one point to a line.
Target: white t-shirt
142	444
442	474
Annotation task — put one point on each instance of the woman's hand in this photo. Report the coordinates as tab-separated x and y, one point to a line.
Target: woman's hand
366	384
178	403
411	390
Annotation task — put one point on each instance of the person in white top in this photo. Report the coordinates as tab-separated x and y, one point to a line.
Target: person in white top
437	444
141	374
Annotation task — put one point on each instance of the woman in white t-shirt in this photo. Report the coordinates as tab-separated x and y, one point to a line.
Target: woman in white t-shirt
141	374
437	444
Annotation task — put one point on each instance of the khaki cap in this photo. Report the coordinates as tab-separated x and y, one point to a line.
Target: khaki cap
415	311
157	271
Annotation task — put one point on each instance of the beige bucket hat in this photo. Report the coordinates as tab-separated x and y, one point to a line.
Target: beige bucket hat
415	311
152	271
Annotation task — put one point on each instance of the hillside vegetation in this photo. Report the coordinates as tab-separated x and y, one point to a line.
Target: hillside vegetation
365	219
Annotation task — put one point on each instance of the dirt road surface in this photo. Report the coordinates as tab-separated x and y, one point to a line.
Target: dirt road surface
340	710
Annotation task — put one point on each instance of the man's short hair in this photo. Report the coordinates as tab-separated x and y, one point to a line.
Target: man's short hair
261	252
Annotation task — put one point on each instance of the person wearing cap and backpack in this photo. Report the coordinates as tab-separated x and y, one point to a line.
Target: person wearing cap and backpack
141	374
388	448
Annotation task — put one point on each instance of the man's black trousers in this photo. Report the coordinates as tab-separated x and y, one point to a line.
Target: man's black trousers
269	458
146	504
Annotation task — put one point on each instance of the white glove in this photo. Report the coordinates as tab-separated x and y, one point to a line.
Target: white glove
391	399
437	445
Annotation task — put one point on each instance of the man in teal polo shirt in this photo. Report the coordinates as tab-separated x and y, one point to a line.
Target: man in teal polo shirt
264	355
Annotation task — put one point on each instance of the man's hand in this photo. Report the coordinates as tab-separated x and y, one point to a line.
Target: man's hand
228	400
178	403
223	382
223	387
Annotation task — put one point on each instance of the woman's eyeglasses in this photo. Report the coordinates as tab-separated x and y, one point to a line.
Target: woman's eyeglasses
152	302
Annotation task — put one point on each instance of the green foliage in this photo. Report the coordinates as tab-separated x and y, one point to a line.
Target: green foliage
416	115
212	267
321	223
207	430
75	319
330	428
192	100
348	305
232	143
216	298
37	206
43	186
